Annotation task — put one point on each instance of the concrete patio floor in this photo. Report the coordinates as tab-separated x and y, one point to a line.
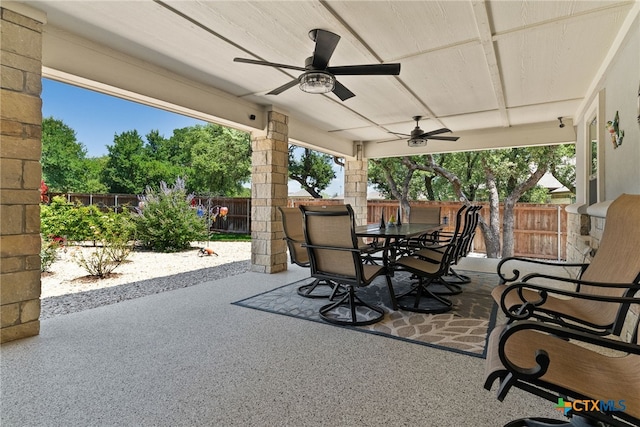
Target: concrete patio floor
189	357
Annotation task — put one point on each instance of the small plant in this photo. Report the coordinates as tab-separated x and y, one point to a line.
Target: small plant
101	261
48	253
119	250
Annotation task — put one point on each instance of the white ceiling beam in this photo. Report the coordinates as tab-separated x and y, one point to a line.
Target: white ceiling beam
560	20
547	133
66	56
304	135
486	39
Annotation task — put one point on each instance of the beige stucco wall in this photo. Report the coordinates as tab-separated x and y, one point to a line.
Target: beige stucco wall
622	84
619	90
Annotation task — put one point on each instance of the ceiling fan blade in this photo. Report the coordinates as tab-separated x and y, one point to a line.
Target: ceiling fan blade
269	64
399	134
326	43
444	138
342	92
284	87
389	140
435	132
366	70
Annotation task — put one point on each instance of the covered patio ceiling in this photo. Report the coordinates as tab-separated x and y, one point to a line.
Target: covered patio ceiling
497	73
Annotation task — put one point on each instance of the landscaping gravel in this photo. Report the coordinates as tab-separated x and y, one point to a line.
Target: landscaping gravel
68	289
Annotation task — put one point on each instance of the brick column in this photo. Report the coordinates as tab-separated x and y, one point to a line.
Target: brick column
20	130
269	178
355	185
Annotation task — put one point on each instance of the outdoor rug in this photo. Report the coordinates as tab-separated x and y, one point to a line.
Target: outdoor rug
463	330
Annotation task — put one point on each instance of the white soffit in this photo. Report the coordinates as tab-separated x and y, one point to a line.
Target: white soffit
466	65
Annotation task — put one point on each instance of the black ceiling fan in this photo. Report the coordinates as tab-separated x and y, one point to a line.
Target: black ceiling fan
418	137
317	76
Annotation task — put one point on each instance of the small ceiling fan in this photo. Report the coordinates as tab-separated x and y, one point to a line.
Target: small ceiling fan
317	76
418	138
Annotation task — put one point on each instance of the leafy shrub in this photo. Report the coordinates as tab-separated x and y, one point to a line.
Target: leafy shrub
101	261
80	223
48	253
63	219
116	228
166	222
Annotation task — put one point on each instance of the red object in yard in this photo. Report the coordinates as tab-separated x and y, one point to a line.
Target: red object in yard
207	252
44	190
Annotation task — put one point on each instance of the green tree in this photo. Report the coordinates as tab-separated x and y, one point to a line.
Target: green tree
94	169
177	149
63	157
125	170
564	170
509	175
219	161
395	180
312	170
401	179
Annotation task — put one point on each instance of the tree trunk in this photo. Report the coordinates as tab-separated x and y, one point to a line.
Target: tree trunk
508	220
508	225
310	190
406	208
428	185
491	231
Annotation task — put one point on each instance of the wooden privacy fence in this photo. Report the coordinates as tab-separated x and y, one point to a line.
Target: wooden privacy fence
237	219
115	202
539	229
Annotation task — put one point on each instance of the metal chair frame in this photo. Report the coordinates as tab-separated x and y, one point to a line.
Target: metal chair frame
314	289
350	282
428	272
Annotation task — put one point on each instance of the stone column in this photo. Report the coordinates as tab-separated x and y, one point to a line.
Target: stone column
578	238
20	130
355	185
269	178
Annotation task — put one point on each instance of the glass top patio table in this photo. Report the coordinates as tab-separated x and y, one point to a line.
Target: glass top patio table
392	235
403	231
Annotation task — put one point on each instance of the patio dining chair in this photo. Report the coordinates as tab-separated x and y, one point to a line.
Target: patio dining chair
419	215
294	236
335	256
433	249
613	272
420	298
594	380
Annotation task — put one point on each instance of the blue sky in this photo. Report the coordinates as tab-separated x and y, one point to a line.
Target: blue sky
96	118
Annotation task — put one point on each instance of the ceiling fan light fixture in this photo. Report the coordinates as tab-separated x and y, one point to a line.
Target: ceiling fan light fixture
317	82
416	142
